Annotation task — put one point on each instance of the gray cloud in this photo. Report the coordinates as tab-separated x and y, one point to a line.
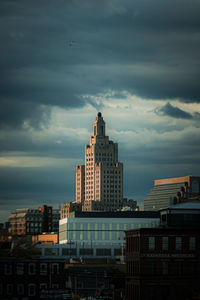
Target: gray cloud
173	111
148	48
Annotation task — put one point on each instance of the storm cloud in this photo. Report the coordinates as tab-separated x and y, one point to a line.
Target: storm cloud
148	48
62	61
173	111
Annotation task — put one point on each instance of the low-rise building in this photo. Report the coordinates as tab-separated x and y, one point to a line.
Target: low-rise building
29	221
100	234
185	214
46	238
26	222
29	278
171	191
164	263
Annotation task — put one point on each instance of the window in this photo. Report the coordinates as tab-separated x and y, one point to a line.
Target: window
31	269
164	267
43	286
192	243
89	233
20	289
68	251
151	243
86	251
96	235
20	269
55	268
165	243
9	289
43	269
103	252
178	243
8	269
51	251
81	235
117	252
31	289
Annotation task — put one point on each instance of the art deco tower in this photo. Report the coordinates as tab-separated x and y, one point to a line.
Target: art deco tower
99	183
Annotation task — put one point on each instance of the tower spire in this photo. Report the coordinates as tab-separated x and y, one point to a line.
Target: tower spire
99	126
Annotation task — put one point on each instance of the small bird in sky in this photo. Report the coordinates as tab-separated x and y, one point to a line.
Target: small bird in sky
71	43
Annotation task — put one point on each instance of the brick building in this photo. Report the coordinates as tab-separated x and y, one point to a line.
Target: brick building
164	263
28	221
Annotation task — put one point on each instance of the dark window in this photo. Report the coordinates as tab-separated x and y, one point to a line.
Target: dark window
43	269
151	243
165	243
103	252
9	289
192	243
117	251
85	251
31	269
31	290
178	243
66	251
20	289
55	268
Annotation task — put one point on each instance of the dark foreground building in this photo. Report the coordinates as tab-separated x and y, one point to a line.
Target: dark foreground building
27	278
164	263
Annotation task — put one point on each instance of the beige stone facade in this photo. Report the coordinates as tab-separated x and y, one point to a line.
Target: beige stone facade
69	207
99	183
80	184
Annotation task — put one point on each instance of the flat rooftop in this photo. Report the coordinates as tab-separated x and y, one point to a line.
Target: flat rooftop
117	214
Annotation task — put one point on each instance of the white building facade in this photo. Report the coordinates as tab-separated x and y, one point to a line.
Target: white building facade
102	234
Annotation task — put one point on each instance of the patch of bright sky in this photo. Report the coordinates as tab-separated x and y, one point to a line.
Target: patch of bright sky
35	162
130	120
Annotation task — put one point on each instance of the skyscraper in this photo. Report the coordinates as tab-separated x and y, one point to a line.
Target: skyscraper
99	183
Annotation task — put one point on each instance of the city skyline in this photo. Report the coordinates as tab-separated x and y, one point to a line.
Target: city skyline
62	62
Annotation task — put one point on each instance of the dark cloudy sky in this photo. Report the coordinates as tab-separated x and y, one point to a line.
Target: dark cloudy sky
136	61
